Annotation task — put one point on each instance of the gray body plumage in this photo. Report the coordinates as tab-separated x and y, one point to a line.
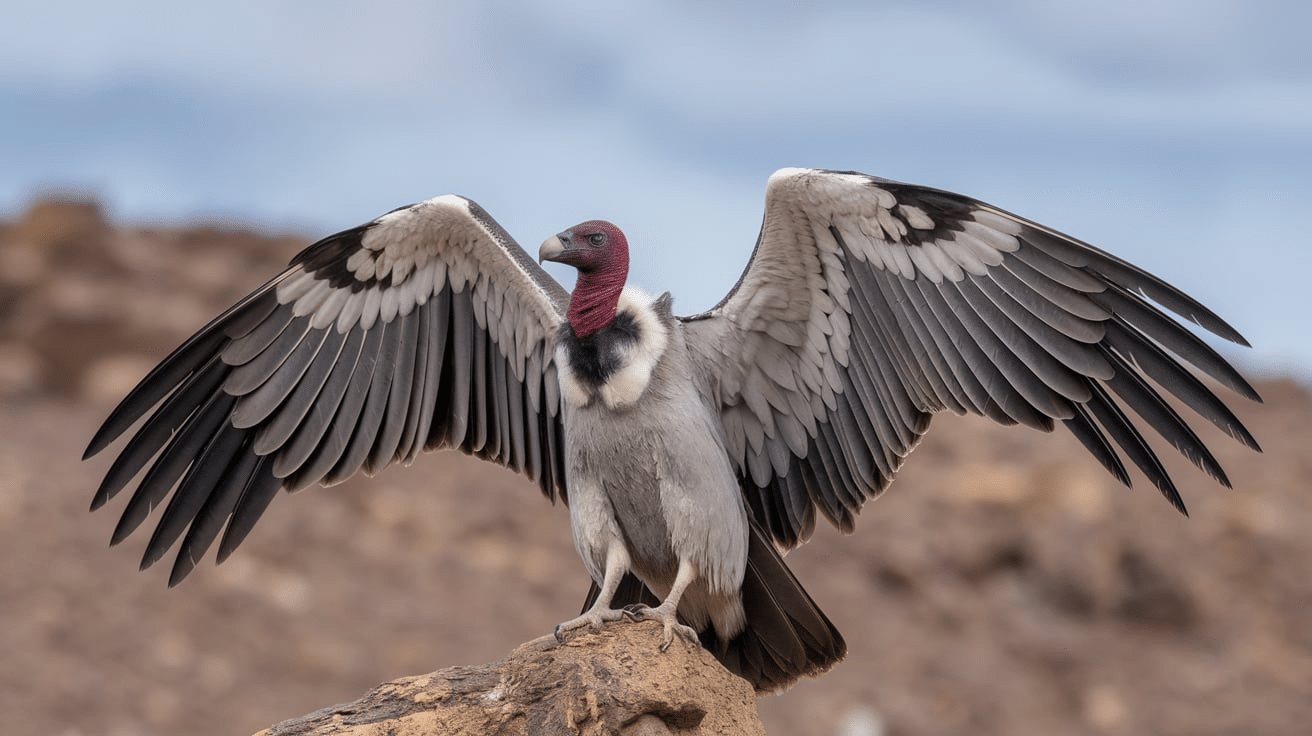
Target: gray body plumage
693	450
649	472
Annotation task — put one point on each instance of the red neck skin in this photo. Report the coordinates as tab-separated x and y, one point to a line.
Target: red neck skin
597	294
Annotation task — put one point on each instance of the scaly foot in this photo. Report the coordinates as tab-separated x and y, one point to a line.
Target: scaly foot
669	616
593	619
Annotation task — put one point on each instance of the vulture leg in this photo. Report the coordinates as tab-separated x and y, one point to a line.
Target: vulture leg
668	611
617	564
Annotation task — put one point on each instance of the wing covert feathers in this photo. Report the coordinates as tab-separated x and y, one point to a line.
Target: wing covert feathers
428	327
870	305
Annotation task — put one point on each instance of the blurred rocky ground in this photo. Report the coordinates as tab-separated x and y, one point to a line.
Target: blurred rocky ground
1004	585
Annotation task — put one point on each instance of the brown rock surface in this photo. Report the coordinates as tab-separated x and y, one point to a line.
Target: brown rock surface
616	681
1004	585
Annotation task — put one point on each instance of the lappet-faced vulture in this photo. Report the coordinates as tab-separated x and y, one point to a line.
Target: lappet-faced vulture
691	451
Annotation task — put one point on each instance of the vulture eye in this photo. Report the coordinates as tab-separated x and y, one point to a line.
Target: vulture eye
597	238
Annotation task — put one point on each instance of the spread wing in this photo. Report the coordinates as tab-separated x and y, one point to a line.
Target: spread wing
427	327
869	305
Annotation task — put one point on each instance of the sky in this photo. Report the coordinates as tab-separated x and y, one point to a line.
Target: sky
1174	133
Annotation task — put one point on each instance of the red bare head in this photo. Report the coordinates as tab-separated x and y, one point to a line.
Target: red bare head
592	246
600	252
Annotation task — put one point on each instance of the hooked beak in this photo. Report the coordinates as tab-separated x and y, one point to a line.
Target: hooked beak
551	249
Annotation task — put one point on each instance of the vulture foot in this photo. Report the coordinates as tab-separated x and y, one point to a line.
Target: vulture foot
669	616
593	619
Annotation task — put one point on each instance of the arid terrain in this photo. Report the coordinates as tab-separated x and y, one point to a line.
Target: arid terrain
1004	585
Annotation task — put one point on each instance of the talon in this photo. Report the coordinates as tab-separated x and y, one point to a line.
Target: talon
687	632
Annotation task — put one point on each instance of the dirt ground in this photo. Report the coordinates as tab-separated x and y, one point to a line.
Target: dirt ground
1004	585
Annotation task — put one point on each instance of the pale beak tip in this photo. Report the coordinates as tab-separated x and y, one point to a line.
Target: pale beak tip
550	249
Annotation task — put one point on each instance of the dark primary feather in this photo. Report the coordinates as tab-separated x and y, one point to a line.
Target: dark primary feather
276	394
165	377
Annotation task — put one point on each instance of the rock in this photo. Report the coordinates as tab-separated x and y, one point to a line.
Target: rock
616	681
62	220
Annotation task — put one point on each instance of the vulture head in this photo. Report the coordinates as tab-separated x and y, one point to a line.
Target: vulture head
600	252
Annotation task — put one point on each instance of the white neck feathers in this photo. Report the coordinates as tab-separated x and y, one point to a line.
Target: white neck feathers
637	360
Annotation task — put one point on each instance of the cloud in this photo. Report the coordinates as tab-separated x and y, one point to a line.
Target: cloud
1128	124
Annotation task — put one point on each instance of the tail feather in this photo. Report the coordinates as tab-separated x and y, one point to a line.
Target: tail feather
787	636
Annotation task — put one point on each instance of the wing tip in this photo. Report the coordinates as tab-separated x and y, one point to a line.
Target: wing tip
95	447
182	567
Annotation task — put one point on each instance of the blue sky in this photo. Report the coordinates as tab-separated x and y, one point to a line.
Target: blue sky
1175	133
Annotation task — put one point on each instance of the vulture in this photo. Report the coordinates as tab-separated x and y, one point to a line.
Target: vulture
692	452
